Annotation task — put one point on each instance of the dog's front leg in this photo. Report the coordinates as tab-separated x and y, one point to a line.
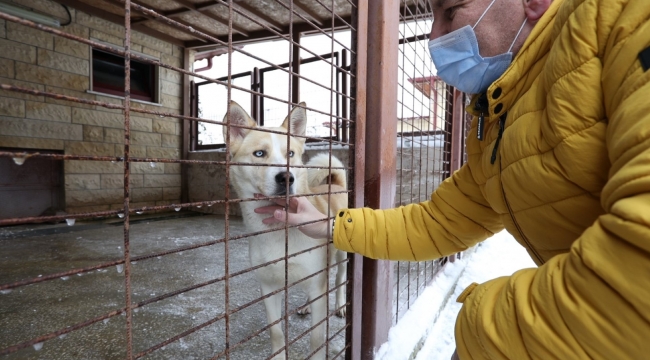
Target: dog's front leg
273	305
318	315
341	274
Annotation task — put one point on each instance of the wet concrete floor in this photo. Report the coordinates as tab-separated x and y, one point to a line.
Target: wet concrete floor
36	251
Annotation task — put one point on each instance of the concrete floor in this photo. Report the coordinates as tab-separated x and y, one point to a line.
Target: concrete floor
34	310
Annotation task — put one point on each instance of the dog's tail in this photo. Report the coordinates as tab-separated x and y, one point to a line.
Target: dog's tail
325	176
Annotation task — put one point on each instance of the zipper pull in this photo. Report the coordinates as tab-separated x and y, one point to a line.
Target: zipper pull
481	106
502	125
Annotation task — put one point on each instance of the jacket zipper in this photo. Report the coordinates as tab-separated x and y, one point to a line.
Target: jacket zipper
512	215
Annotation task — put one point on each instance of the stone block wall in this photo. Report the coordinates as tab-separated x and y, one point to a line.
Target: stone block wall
37	60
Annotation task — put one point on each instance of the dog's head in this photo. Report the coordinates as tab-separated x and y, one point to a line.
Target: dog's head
268	150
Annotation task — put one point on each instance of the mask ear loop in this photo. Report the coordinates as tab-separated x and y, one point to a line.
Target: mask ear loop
517	36
484	12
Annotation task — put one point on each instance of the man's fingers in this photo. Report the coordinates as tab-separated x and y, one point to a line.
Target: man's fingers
267	209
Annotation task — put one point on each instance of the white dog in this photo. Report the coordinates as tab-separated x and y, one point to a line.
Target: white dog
264	148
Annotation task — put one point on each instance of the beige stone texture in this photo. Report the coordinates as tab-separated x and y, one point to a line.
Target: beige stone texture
107	38
93	22
146	194
163	153
51	77
171	88
135	151
3	31
115	136
82	94
22	84
144	138
164	126
145	168
171	102
71	47
151	42
162	180
170	75
153	53
12	107
45	111
172	168
141	124
116	181
17	51
7	68
31	143
172	60
75	198
93	133
48	7
40	129
171	141
89	148
82	182
179	129
172	193
63	62
27	35
93	167
97	118
87	209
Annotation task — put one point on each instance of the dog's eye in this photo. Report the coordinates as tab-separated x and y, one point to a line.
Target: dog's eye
259	153
291	153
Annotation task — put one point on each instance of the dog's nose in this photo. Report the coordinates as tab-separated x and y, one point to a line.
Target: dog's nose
283	177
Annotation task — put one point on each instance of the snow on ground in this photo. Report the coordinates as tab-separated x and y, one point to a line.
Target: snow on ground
433	315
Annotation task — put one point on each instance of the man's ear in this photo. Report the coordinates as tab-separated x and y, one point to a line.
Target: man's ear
298	120
238	116
536	8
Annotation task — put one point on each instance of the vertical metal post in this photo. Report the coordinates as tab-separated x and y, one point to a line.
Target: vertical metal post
127	171
359	67
380	169
295	67
189	98
457	127
255	99
344	100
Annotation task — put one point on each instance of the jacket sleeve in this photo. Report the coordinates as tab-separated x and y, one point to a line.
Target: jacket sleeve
456	217
593	302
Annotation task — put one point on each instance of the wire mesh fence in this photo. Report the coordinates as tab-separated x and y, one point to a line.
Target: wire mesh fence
153	250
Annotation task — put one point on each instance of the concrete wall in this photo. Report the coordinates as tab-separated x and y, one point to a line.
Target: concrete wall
33	59
207	182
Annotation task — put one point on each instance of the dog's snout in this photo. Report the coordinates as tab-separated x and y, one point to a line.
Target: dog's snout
284	177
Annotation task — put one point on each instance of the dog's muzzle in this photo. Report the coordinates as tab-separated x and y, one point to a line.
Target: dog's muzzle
282	180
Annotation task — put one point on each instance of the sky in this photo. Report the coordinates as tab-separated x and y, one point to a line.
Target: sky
413	61
433	315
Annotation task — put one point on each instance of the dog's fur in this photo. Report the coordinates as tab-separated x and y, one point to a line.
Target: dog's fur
258	147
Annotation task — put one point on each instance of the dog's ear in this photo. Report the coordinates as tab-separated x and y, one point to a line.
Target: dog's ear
298	120
238	116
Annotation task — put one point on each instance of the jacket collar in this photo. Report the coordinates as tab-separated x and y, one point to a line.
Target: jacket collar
519	76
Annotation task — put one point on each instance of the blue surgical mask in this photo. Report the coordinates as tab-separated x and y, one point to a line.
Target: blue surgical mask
459	63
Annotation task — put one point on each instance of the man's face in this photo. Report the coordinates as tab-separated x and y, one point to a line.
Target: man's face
494	33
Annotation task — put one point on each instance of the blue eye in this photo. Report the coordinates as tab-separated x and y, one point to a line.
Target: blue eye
291	153
258	153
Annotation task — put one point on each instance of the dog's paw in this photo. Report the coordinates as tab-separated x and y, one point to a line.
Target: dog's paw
305	310
341	313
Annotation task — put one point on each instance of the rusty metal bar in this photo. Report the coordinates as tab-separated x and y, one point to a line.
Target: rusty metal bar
358	87
127	163
382	41
227	189
457	130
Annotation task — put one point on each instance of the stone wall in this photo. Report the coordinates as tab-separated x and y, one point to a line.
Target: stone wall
37	60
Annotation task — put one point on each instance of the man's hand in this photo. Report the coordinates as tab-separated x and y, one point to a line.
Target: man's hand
298	211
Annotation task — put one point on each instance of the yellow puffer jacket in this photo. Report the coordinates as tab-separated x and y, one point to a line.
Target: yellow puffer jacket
571	182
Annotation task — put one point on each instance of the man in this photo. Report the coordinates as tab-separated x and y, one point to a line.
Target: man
559	155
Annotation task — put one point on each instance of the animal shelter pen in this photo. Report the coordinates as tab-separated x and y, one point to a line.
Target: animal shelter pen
150	261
